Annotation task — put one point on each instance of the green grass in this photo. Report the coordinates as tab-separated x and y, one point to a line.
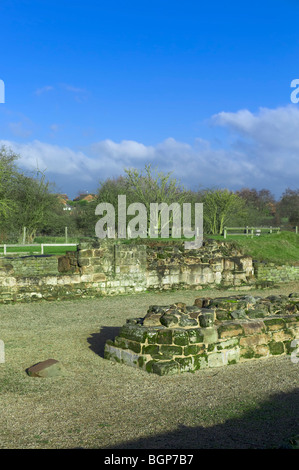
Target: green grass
49	239
100	404
48	250
278	248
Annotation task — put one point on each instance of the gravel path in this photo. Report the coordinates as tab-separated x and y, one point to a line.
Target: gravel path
100	404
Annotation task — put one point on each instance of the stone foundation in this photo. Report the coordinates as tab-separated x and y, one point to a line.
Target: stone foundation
276	273
211	333
103	267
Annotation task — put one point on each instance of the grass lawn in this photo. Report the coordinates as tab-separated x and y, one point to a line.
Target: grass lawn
100	404
48	250
279	248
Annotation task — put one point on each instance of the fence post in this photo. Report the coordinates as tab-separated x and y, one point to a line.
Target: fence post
65	234
224	233
246	230
42	248
252	233
296	229
24	235
4	249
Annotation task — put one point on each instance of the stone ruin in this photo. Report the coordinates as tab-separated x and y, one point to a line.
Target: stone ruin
213	332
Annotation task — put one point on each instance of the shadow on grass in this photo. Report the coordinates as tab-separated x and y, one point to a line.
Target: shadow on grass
268	426
97	341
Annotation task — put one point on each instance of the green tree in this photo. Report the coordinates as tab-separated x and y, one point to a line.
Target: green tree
34	204
260	206
8	175
288	206
219	205
153	186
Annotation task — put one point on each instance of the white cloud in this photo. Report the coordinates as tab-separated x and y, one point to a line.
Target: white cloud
261	151
268	138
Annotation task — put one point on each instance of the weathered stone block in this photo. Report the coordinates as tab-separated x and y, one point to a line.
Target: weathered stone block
210	335
180	337
150	349
195	336
200	361
274	324
253	327
276	348
171	351
164	336
282	335
165	368
127	344
206	319
129	358
253	340
261	350
152	335
134	333
217	359
193	349
227	344
186	322
185	363
169	320
232	355
229	330
48	368
99	277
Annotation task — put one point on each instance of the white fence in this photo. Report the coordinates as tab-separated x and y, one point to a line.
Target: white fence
41	245
249	231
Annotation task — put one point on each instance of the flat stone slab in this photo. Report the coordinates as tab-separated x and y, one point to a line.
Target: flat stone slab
48	368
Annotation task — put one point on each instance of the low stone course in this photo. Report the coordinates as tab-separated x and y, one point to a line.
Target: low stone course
178	338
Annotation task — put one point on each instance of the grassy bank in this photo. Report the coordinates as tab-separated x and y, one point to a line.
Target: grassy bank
277	247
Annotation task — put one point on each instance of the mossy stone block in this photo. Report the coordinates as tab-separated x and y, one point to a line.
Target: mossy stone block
185	363
165	368
171	351
200	361
275	323
195	335
276	348
150	349
169	320
193	349
164	336
134	333
152	335
180	337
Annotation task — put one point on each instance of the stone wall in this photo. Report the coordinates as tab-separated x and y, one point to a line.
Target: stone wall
264	271
103	267
28	265
211	333
212	265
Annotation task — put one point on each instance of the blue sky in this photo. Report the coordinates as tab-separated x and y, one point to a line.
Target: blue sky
196	88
